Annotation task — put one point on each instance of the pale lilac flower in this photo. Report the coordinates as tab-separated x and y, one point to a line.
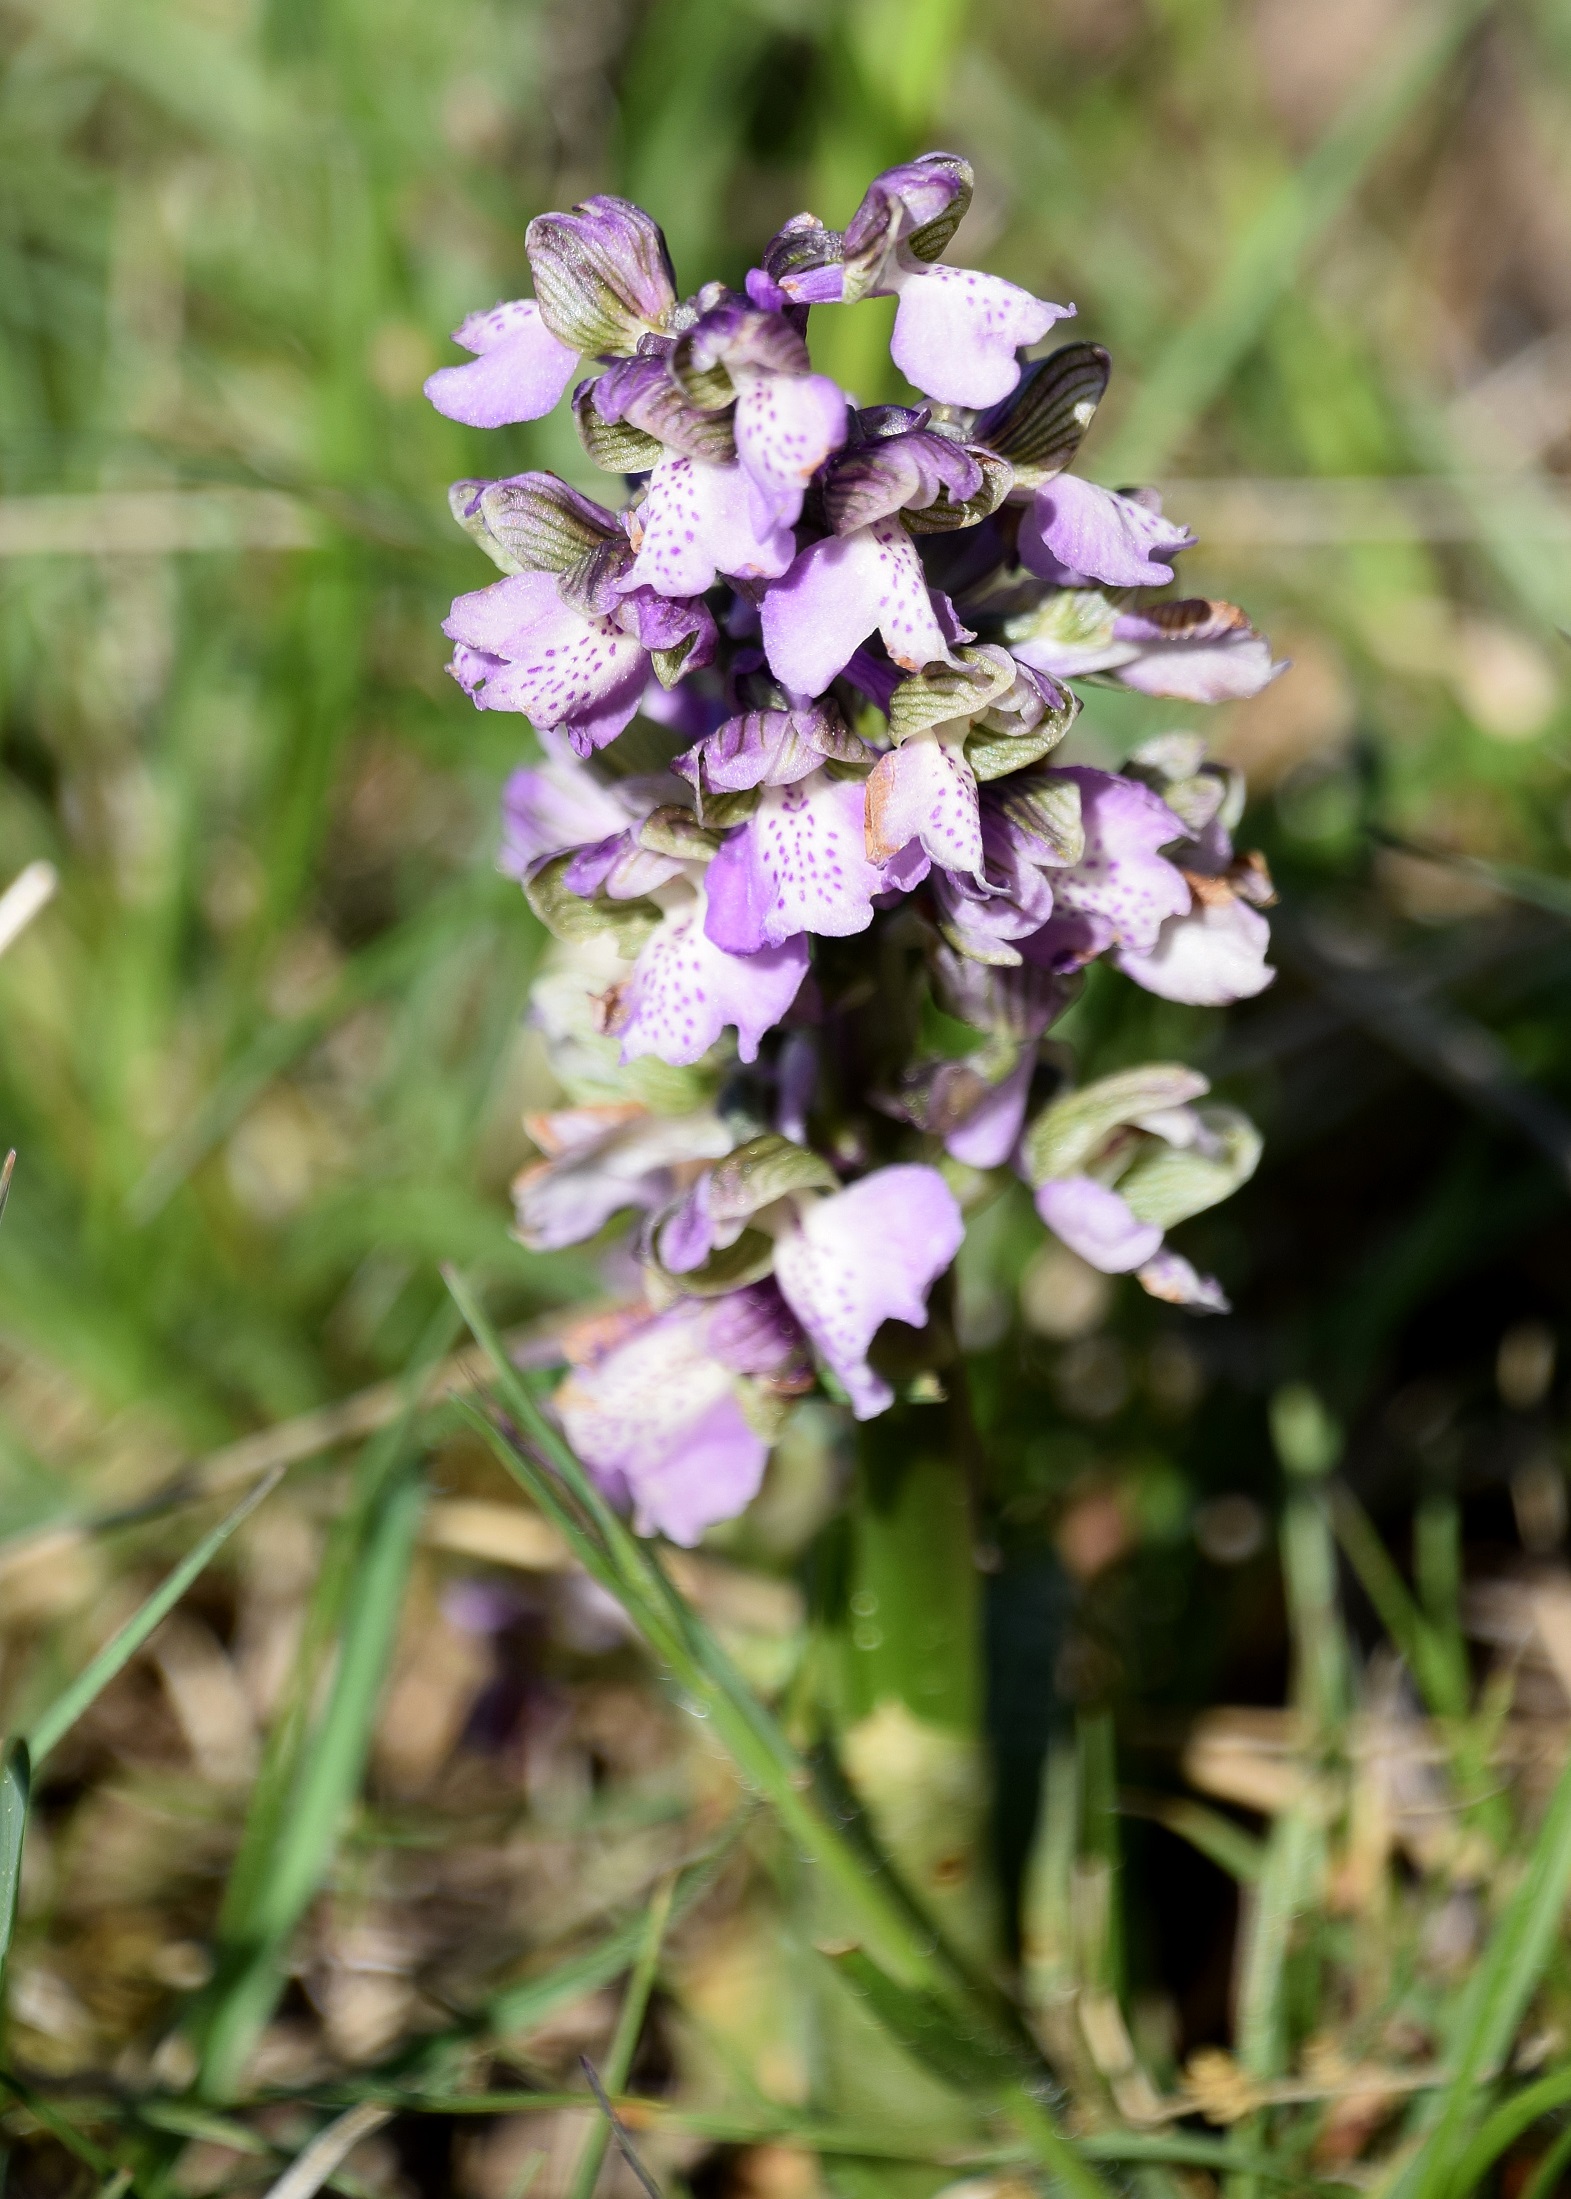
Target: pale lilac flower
1074	527
684	990
1122	889
988	1135
864	1256
1209	957
768	748
522	646
841	590
552	806
1215	953
600	1161
602	278
520	370
699	520
659	1417
798	865
925	792
1170	1276
787	419
957	333
1191	651
1095	1222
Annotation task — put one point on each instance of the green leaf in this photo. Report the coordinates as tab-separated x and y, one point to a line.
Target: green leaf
15	1785
51	1727
931	2030
624	2040
1068	1132
569	916
1038	429
329	1778
1497	1993
949	692
1509	2120
1169	1183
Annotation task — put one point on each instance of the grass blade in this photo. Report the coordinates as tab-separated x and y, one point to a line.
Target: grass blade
15	1782
624	2040
330	1776
49	1729
309	2171
1497	1993
1507	2124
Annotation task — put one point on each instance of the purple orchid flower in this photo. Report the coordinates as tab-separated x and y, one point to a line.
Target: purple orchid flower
1076	530
659	1417
1215	953
551	806
1191	651
602	279
519	372
845	588
1127	1158
600	1161
685	989
1122	889
699	520
797	865
787	419
863	1256
843	744
956	332
522	646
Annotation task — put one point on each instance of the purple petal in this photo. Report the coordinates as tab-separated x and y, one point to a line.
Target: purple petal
687	1237
865	1256
658	1415
1214	955
768	748
737	896
551	807
786	426
698	521
619	1164
1099	533
843	589
684	990
805	848
665	622
1170	1276
1121	879
991	1131
925	791
1193	651
602	273
1096	1223
520	373
897	473
753	1331
905	199
957	332
557	666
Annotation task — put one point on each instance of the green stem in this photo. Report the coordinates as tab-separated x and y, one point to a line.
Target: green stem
624	2040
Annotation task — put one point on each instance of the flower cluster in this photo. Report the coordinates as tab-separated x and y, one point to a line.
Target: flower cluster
795	700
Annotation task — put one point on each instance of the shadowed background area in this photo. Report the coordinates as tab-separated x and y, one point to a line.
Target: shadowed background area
263	1062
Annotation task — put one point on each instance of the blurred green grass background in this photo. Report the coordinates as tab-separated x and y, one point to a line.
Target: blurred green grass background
262	1058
